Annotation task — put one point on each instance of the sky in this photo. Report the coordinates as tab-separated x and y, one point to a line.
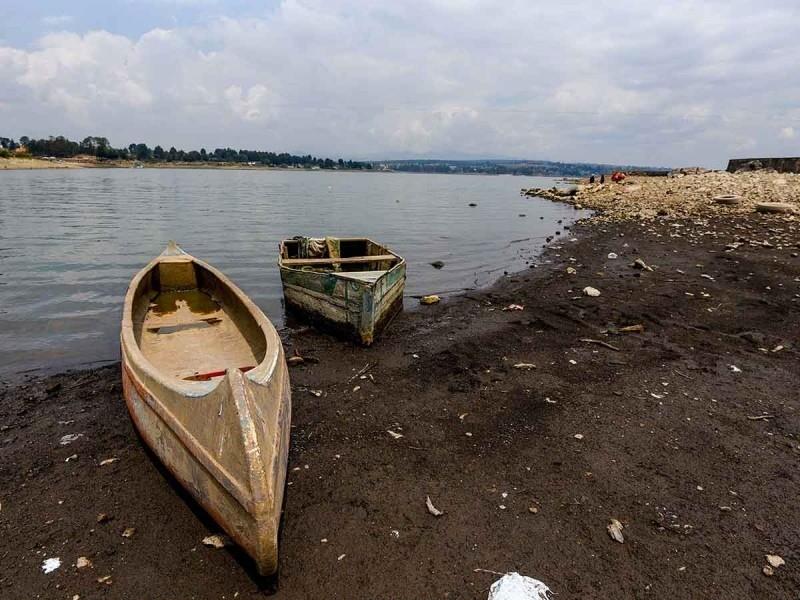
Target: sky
670	83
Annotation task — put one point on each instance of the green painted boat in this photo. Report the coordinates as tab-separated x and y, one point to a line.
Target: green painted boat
350	285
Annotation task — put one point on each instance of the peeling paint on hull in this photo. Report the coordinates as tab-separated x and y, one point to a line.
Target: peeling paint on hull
341	302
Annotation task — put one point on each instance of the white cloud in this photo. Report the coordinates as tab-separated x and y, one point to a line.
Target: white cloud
788	133
692	81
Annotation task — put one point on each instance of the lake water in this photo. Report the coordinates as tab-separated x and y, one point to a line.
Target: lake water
70	240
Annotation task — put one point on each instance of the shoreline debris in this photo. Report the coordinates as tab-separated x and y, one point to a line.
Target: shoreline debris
431	508
615	531
513	586
51	564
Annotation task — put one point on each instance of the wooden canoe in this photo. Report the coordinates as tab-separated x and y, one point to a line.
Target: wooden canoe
351	285
206	383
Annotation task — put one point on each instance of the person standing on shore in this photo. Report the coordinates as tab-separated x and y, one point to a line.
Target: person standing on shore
602	177
591	179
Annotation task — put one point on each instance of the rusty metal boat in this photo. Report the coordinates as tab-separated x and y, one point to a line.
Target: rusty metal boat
351	285
206	383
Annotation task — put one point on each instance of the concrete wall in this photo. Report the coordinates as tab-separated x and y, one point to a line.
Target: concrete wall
782	165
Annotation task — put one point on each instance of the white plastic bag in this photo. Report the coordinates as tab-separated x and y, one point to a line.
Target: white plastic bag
513	586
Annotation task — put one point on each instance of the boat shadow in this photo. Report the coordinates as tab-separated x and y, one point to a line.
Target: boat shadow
267	585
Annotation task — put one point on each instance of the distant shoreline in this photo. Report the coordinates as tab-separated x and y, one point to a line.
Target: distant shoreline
28	164
17	164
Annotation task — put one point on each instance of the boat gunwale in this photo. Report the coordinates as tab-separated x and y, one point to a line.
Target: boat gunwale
261	374
400	261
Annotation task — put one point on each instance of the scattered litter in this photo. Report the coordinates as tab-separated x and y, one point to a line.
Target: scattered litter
761	417
615	531
639	328
775	207
395	533
728	199
533	509
105	579
356	388
432	299
394	434
590	291
103	518
571	270
513	586
295	360
431	508
640	264
461	416
514	307
341	556
600	343
525	366
578	436
83	562
361	371
613	255
108	461
217	541
69	458
316	393
51	564
706	276
735	369
775	561
572	361
69	438
129	531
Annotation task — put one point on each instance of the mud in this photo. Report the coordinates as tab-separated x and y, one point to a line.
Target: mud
696	459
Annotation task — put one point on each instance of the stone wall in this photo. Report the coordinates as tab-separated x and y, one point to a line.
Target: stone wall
782	165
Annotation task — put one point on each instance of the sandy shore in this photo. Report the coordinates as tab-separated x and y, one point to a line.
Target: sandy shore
684	429
91	163
35	163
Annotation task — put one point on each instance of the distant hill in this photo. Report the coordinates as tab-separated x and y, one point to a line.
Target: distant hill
542	168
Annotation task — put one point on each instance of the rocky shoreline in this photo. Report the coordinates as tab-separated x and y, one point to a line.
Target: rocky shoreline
666	403
684	195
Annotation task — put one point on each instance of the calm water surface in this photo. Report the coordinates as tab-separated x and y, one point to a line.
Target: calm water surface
70	240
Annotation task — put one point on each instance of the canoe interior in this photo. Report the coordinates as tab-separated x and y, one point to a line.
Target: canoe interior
190	326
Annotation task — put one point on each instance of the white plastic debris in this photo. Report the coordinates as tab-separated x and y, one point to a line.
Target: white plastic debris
591	292
735	369
431	508
394	434
612	255
216	541
513	586
69	438
51	564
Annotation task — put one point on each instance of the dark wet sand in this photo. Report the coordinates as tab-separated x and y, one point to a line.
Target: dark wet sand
670	445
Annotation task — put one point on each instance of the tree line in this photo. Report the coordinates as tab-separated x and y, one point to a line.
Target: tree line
99	147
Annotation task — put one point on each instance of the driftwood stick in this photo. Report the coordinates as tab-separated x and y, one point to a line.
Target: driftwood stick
600	343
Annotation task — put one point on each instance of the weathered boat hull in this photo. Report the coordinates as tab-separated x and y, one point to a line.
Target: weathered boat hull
360	309
225	440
